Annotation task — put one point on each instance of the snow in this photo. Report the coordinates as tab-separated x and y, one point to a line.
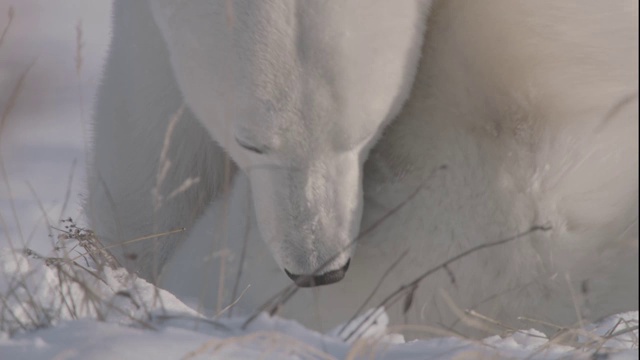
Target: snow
53	309
111	314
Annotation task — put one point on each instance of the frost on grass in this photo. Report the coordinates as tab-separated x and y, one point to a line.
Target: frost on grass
78	280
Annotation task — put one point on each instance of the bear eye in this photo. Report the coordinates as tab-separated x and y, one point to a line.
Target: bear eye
252	148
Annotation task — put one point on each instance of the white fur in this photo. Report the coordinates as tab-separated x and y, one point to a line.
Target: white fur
532	107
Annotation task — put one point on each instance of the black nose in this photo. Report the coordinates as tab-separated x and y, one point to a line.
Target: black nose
327	278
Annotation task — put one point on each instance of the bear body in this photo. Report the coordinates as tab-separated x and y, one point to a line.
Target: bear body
498	117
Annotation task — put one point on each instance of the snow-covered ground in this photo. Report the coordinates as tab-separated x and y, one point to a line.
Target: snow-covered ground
49	310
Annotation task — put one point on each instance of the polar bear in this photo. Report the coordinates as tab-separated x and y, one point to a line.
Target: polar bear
345	137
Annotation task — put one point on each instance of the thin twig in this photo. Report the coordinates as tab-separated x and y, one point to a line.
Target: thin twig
364	304
5	31
393	296
243	254
67	194
230	306
141	238
622	332
8	109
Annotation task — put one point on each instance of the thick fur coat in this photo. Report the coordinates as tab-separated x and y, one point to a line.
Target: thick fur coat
281	130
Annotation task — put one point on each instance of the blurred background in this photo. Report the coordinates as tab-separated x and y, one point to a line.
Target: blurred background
51	58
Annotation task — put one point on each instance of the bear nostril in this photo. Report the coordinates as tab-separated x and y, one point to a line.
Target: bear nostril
327	278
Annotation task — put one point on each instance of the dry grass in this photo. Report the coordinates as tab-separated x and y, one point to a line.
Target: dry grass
76	287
